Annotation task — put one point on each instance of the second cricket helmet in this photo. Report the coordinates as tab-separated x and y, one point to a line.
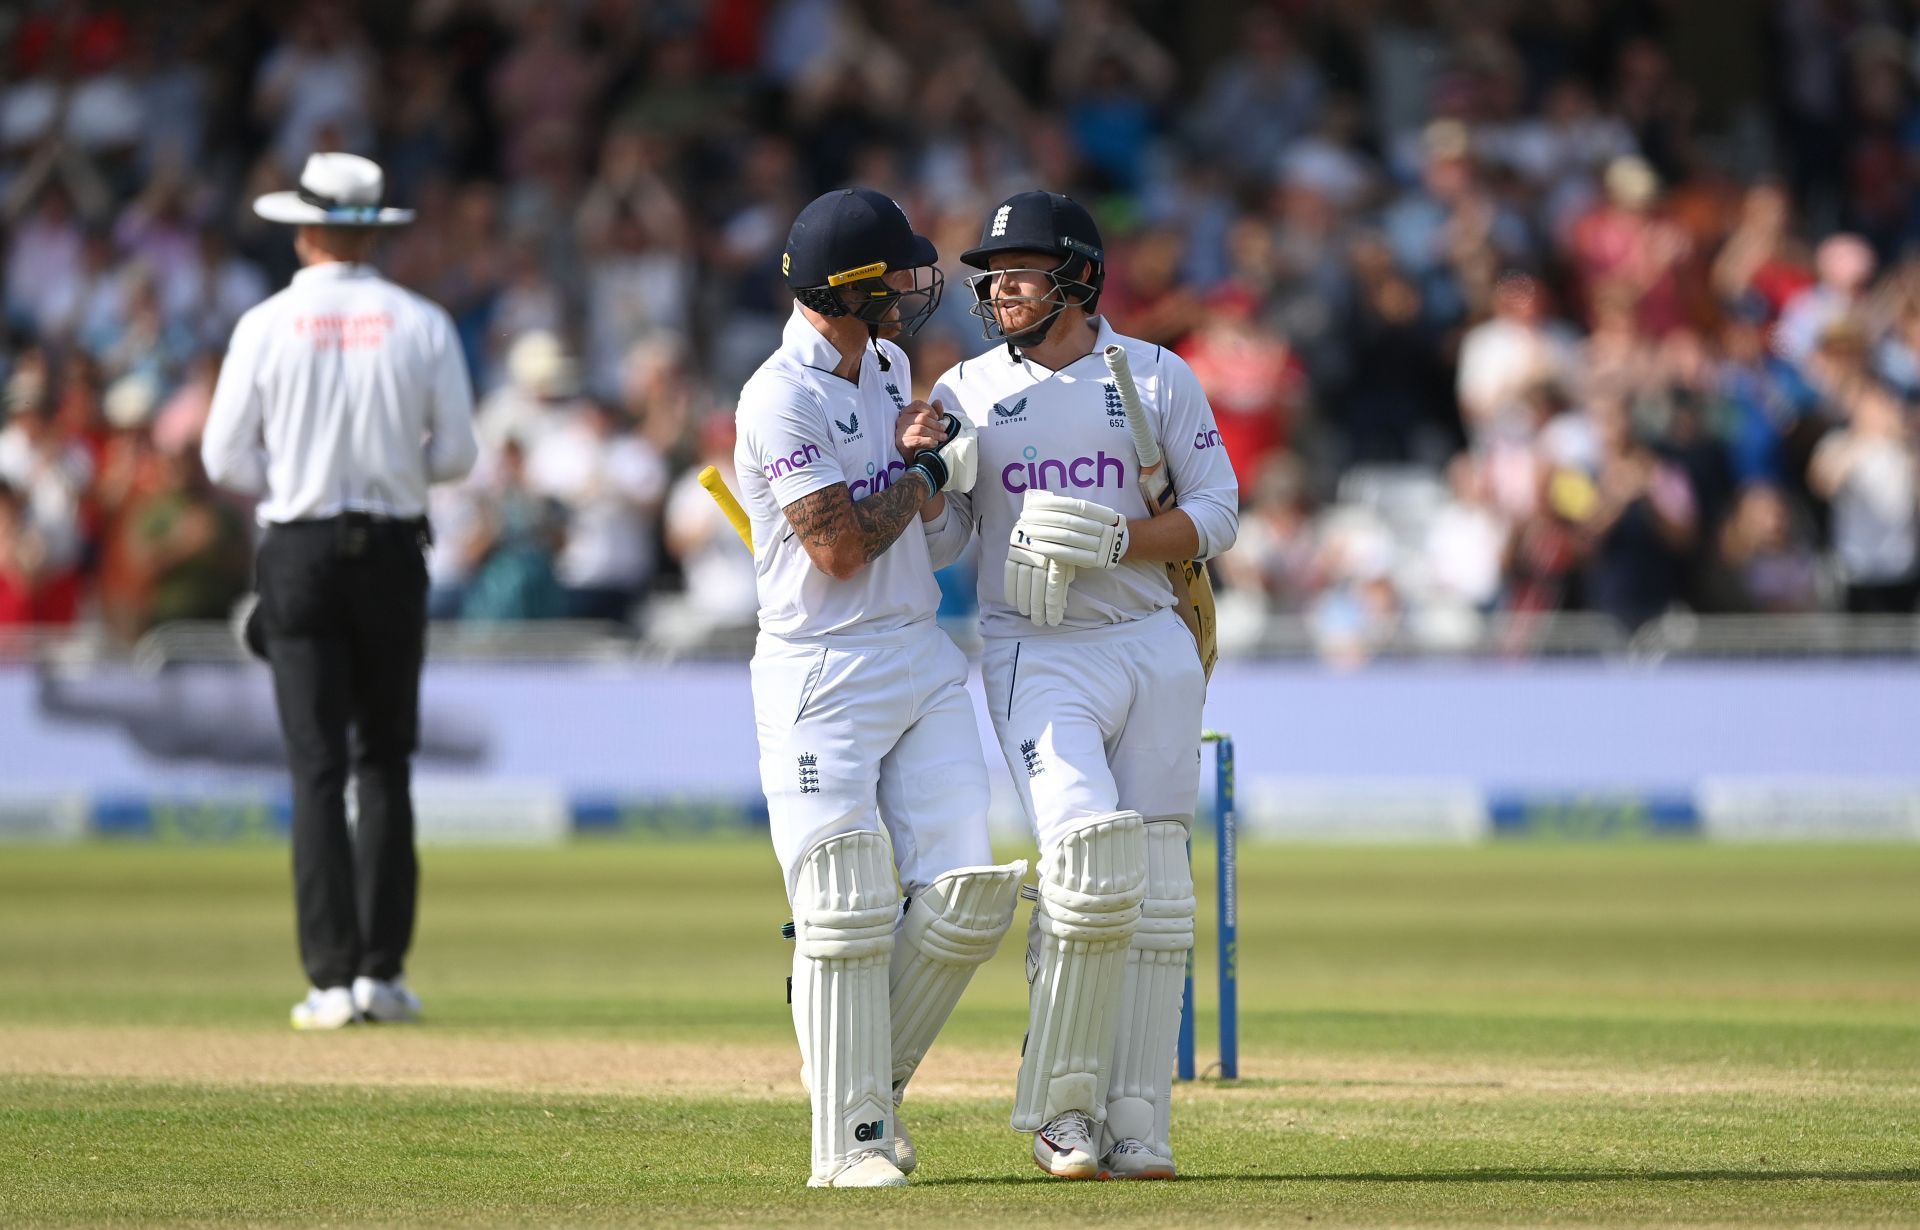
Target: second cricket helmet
1042	222
840	251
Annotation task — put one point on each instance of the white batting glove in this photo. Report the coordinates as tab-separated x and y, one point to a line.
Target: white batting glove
1077	532
1037	586
962	453
956	464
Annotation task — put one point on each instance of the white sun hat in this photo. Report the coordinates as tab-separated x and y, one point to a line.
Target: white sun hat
335	190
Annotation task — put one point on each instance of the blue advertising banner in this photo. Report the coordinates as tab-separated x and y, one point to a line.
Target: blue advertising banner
1416	751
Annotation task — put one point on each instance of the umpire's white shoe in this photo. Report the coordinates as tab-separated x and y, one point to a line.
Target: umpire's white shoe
386	1002
328	1009
1135	1159
1065	1147
905	1156
868	1168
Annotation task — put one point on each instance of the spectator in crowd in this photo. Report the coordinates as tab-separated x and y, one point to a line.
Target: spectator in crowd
1766	563
1514	351
1867	472
211	288
1466	243
509	553
1763	258
188	548
716	565
22	555
1259	101
132	471
1638	525
1768	401
317	84
44	261
634	239
1358	613
50	477
612	483
541	391
1845	265
1277	554
1628	247
1253	380
1466	545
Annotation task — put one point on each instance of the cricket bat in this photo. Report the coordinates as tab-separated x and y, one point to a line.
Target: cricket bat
736	515
1192	587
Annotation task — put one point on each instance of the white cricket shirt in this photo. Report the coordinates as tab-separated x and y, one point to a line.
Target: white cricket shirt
1066	432
802	428
344	392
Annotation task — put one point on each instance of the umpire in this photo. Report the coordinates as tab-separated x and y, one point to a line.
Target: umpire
341	399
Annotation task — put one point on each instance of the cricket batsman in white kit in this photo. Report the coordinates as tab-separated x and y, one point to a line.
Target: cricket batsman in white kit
1094	677
869	752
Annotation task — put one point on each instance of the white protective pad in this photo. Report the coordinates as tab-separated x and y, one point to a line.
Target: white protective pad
1139	1098
846	902
1091	886
951	928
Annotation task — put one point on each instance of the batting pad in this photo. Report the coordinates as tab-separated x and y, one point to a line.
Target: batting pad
952	927
1139	1098
846	902
1091	886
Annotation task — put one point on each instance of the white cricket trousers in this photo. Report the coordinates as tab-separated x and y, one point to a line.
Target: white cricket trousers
872	731
1099	720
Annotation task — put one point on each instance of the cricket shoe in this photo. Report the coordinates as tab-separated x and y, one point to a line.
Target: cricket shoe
388	1002
1135	1159
868	1168
1065	1147
328	1009
905	1156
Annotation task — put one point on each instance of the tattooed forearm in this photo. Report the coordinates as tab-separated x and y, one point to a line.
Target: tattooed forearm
883	515
841	536
820	519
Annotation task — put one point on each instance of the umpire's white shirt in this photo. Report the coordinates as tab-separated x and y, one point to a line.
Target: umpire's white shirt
344	392
802	428
1066	432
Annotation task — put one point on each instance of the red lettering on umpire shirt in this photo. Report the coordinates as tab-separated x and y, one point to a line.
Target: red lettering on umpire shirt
335	331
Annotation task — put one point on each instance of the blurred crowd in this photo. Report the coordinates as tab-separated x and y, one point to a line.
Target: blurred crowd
1504	306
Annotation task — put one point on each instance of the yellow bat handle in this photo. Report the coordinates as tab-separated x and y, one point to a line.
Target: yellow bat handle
717	488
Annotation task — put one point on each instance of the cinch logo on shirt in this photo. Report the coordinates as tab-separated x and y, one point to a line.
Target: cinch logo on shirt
1206	439
1053	474
799	459
876	480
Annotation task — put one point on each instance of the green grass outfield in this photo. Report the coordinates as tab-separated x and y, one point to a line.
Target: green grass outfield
1643	1034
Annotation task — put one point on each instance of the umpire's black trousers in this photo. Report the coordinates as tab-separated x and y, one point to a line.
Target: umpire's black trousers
343	609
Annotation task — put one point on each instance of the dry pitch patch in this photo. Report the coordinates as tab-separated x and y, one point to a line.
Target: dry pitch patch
420	1056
